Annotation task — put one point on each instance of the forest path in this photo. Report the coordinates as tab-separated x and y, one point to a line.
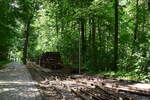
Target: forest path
16	84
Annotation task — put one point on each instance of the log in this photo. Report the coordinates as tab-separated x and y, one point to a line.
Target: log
93	96
135	92
114	94
79	95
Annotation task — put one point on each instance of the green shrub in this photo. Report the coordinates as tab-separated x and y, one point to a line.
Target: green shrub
2	63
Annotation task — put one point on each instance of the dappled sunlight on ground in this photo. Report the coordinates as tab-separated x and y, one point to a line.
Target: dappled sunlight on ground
19	82
16	84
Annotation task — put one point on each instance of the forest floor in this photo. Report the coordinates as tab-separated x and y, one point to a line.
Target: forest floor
16	83
62	85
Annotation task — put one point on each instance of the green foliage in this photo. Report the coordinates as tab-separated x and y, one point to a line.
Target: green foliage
70	26
2	63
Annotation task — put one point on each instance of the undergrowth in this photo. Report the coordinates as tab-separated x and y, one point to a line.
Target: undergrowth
127	75
2	63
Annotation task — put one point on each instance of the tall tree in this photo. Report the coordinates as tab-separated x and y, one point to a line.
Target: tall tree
26	41
7	24
136	26
116	36
28	9
94	60
82	24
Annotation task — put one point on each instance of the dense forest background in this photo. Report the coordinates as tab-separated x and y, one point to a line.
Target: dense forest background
99	35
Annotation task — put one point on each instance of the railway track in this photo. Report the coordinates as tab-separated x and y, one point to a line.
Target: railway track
66	86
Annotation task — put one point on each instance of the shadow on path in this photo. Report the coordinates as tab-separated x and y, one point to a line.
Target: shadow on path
16	83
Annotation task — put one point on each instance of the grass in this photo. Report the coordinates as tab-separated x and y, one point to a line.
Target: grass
126	75
121	75
2	63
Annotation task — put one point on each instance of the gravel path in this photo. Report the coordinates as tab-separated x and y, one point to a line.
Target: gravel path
16	83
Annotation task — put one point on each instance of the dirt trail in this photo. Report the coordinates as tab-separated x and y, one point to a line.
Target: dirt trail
16	83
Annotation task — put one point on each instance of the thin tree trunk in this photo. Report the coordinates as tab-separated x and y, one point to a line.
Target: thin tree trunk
90	31
149	5
116	36
136	22
135	38
83	39
143	29
144	18
57	29
94	59
100	41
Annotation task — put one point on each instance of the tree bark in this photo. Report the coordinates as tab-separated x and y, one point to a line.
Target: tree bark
57	30
26	41
83	39
116	36
136	22
135	38
149	6
94	58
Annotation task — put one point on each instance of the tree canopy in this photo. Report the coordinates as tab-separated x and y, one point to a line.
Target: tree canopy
99	35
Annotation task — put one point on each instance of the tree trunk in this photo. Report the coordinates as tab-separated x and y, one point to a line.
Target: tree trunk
26	41
116	36
136	22
149	5
83	39
143	29
94	58
90	32
57	30
135	38
100	42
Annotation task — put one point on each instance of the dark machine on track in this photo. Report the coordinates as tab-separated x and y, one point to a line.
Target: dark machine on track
51	60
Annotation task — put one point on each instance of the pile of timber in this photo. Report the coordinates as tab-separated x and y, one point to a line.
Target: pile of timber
90	87
51	60
100	93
